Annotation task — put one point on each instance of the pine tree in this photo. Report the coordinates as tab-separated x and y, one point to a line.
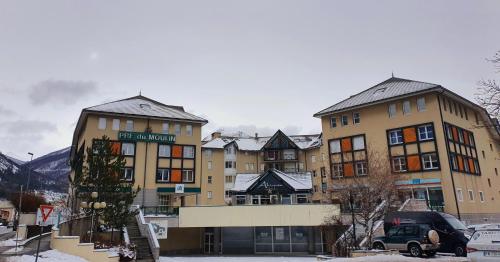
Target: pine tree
102	173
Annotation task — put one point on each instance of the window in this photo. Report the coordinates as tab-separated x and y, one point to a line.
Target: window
313	159
187	176
392	110
396	137
301	165
228	179
471	195
358	142
460	195
241	200
406	107
322	171
262	167
252	166
164	128
344	120
289	154
355	118
489	182
247	166
430	161
164	150
163	175
128	149
177	129
188	151
335	146
208	153
425	132
189	130
491	147
481	196
451	108
301	198
229	150
484	155
337	170
399	164
230	164
129	126
102	123
454	163
444	104
333	122
477	119
209	179
496	171
455	108
128	173
209	165
361	169
466	114
315	188
461	111
421	104
116	124
209	194
323	187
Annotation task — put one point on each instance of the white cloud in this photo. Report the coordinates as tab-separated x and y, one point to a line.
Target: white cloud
60	91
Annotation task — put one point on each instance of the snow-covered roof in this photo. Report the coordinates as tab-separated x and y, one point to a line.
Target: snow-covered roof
298	181
143	106
390	88
256	143
243	181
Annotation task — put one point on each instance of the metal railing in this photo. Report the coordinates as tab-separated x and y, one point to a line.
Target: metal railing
160	210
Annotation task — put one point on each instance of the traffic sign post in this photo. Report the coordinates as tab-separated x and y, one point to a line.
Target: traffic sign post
45	216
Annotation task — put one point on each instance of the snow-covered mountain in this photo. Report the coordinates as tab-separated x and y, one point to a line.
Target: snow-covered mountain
7	164
49	172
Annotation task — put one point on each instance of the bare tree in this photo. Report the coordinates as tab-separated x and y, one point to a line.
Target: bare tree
488	95
367	198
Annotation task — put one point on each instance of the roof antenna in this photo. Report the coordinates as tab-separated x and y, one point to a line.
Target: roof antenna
140	93
392	73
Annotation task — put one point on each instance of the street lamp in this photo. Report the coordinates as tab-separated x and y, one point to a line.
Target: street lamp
21	199
94	206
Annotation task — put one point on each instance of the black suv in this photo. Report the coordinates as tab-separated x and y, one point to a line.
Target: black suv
417	239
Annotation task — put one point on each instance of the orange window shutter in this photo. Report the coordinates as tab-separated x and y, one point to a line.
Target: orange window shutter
455	133
472	168
176	175
346	145
177	151
466	137
115	148
414	163
460	163
348	170
409	134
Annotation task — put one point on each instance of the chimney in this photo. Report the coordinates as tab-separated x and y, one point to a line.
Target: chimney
216	134
256	135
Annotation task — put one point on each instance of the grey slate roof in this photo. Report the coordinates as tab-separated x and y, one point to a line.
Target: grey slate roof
143	106
390	88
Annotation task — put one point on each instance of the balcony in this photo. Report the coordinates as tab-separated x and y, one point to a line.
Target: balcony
160	211
280	155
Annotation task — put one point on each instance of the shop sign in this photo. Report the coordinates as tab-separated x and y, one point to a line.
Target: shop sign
146	137
179	188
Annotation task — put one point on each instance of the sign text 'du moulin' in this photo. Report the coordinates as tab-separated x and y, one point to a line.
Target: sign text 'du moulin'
146	137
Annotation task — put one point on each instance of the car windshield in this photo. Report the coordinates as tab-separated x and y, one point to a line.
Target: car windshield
455	223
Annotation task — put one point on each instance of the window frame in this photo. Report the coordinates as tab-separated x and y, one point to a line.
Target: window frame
428	129
162	175
406	107
399	134
129	125
433	167
102	123
402	164
115	126
187	180
392	110
421	107
124	172
344	120
333	122
356	118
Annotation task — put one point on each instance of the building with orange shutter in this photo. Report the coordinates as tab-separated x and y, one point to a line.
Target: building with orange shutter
443	147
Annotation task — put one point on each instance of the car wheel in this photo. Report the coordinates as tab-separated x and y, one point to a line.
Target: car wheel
415	250
378	245
460	251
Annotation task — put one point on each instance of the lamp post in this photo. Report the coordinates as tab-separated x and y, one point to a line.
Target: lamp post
21	199
93	206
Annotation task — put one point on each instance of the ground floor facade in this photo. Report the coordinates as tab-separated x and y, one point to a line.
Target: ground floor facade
262	240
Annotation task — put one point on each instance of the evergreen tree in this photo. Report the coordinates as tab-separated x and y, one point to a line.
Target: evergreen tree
102	173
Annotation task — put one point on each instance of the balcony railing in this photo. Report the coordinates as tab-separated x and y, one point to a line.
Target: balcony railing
160	210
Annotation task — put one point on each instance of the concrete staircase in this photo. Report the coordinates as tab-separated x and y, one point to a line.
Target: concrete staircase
143	252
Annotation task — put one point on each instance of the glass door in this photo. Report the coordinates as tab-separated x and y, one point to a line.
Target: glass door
209	243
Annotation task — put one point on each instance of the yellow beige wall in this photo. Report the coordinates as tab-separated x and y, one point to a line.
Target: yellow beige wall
91	131
483	138
216	157
374	123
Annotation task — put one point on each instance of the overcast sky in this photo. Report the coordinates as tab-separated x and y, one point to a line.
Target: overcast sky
250	65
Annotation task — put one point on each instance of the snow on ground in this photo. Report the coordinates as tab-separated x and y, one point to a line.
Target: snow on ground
378	258
47	256
11	242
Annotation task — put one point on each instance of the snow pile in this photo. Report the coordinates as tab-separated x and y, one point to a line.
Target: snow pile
8	243
398	258
378	258
47	256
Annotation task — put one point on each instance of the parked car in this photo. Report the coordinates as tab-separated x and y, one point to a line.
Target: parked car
416	239
484	244
453	234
